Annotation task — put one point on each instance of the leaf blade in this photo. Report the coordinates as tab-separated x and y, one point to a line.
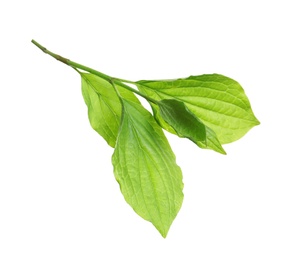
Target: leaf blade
175	115
145	168
211	142
220	102
104	106
184	122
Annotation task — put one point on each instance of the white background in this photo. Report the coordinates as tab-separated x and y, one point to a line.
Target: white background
58	195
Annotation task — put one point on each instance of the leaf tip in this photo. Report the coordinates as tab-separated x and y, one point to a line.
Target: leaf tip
257	122
164	235
163	232
223	152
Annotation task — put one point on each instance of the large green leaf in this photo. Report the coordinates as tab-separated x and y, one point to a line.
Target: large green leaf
146	169
185	124
220	102
104	106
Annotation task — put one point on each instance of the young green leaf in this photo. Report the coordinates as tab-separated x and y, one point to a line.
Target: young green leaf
220	102
185	124
104	106
146	169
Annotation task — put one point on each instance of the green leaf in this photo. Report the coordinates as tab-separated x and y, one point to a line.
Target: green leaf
185	124
146	169
104	106
220	102
211	142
